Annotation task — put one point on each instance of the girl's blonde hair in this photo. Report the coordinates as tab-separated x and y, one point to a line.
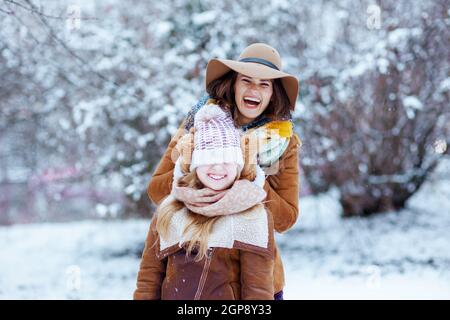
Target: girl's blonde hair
199	227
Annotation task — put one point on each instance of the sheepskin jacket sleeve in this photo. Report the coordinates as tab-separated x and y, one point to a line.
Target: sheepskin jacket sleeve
152	271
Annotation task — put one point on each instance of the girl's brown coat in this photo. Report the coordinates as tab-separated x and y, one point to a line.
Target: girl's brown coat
238	273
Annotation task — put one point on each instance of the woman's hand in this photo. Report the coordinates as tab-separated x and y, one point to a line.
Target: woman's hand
197	198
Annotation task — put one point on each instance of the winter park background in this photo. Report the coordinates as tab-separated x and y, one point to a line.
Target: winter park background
91	92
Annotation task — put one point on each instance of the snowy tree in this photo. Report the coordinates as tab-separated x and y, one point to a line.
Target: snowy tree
378	122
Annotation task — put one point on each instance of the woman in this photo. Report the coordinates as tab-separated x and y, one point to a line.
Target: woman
260	97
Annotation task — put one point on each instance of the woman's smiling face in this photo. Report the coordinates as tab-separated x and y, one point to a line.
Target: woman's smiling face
217	176
252	96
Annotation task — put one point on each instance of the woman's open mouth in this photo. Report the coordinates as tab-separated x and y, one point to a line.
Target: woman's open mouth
252	102
217	177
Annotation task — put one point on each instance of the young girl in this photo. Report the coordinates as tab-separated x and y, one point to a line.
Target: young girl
224	250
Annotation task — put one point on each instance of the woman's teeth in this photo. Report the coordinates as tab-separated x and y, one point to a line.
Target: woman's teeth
251	102
216	177
252	99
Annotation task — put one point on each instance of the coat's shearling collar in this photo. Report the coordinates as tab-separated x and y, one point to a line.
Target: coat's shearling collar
249	227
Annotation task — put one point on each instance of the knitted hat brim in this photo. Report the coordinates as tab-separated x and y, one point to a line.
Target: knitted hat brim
215	156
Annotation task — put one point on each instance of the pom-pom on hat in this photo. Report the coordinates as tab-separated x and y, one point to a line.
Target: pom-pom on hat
216	139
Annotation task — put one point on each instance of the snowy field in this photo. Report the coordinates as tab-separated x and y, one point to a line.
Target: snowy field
399	255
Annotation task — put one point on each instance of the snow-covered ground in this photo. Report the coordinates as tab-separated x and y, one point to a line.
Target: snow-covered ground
397	255
403	255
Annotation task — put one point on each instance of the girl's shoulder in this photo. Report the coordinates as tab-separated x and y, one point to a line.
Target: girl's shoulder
255	231
167	201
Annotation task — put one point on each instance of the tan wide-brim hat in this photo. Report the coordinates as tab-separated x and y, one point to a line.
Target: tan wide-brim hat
258	60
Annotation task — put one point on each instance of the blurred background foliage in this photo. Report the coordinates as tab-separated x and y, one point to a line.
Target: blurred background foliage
91	92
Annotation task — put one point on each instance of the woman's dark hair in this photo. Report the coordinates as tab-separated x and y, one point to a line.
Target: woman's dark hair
222	89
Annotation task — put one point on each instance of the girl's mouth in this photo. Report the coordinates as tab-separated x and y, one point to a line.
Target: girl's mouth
216	177
252	102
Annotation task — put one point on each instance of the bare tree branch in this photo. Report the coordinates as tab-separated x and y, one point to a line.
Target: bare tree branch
33	9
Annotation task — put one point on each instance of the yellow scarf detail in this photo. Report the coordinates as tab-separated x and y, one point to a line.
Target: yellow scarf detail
284	127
